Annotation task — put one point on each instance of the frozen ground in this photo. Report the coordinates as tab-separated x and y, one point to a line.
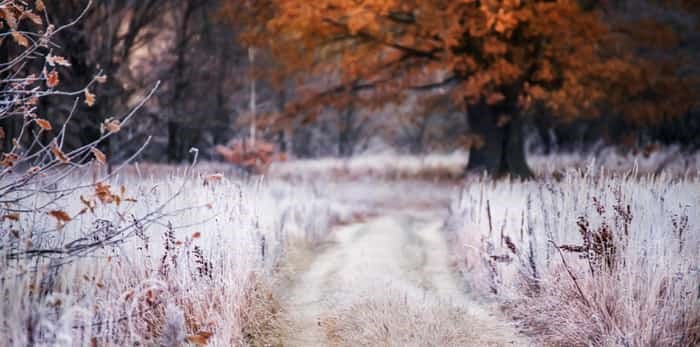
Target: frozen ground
371	251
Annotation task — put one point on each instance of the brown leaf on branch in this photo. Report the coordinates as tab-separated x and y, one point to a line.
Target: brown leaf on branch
60	216
52	79
40	6
11	216
112	125
89	98
60	156
9	17
43	124
32	17
99	155
20	39
9	159
103	192
2	133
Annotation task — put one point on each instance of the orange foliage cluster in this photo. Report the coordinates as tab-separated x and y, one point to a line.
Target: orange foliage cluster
574	60
253	156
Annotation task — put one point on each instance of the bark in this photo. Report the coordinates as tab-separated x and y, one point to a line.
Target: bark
173	143
503	149
346	132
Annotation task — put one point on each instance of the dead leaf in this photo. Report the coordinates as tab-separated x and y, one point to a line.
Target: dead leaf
11	216
211	179
52	79
103	192
9	17
2	133
129	295
32	17
20	39
60	215
99	155
9	159
495	98
197	235
40	6
43	124
199	339
89	98
112	125
60	156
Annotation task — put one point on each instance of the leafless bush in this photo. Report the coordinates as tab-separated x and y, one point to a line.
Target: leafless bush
35	163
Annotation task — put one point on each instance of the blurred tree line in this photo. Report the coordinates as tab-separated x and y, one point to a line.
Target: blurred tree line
626	66
193	47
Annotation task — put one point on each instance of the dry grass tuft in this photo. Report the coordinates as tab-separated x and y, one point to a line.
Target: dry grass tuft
398	319
262	317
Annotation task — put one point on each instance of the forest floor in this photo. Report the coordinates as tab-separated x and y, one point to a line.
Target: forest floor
388	281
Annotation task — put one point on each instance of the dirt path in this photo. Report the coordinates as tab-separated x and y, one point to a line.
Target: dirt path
388	282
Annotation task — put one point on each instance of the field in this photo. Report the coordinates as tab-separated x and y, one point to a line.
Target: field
349	173
384	250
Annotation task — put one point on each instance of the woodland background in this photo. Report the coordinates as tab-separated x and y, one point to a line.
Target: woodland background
194	48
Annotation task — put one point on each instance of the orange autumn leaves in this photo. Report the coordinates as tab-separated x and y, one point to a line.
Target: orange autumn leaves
14	14
516	52
102	193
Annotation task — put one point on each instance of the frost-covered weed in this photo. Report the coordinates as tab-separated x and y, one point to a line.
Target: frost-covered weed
188	276
588	259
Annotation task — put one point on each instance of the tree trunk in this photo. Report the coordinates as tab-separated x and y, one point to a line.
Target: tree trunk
173	143
502	152
346	140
